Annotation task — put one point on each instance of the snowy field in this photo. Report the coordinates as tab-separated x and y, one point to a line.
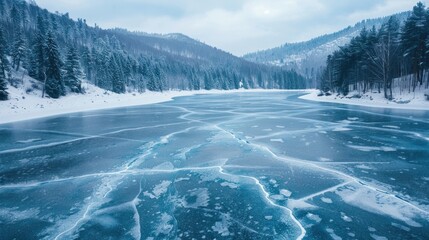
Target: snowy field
233	166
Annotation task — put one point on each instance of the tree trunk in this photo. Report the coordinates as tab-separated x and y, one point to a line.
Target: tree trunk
44	85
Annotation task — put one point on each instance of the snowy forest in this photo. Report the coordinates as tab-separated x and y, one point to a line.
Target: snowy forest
396	55
61	53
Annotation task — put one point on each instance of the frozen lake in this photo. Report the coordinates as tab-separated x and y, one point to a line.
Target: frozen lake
234	166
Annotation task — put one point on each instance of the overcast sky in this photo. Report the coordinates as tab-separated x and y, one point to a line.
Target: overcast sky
237	26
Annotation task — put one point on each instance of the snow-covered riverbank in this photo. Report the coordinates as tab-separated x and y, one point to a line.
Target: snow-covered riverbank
24	106
412	101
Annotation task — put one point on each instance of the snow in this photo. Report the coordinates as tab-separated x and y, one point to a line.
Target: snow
158	190
327	200
417	101
376	202
24	106
370	149
285	193
230	185
222	227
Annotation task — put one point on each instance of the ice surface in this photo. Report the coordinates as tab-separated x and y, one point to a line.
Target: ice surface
239	166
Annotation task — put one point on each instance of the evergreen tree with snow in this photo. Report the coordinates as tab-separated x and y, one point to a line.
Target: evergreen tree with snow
19	50
159	78
36	68
3	88
73	72
4	67
118	85
88	62
53	85
415	34
152	83
15	17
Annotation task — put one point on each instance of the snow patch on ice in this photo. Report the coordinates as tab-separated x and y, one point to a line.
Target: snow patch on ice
299	204
165	224
327	200
222	227
314	217
346	218
181	180
277	140
376	237
286	193
376	202
158	190
353	118
105	221
230	185
12	215
370	149
333	235
341	129
323	159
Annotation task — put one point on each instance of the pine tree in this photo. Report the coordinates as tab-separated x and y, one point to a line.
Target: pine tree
88	62
152	83
19	50
4	67
387	51
38	56
53	85
414	38
118	85
73	72
208	82
159	78
2	7
16	17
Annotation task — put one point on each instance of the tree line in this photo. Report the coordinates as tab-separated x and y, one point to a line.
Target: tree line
372	61
61	53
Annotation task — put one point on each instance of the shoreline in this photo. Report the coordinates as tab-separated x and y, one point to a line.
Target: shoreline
22	107
377	101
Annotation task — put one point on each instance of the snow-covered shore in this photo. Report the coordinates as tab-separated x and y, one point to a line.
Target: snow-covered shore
25	106
412	101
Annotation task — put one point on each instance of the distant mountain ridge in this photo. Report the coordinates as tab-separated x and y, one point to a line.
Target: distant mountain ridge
309	56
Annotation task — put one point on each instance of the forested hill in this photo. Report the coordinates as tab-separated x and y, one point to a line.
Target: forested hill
396	55
61	52
308	58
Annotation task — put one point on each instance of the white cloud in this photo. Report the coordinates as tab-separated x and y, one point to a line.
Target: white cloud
238	26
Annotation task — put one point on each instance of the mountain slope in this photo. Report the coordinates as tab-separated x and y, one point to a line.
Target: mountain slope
307	57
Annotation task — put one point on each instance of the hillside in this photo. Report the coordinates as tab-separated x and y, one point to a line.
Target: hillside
309	57
64	52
